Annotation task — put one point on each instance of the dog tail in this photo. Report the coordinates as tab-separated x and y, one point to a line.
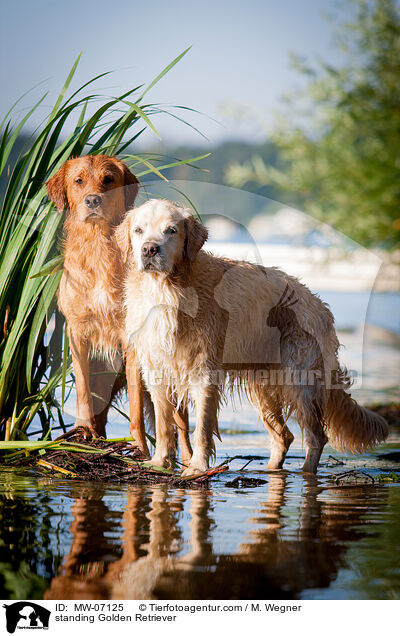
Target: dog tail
350	426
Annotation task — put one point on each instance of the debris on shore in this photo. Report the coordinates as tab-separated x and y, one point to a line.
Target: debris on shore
77	458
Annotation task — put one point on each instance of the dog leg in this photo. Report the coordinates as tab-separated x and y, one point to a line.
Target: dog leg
281	439
315	442
165	437
269	408
206	401
104	386
135	395
84	405
99	395
181	418
311	419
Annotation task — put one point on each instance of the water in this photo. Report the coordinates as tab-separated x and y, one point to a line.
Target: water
290	536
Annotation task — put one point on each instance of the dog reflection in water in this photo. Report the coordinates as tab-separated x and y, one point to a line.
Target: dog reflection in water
157	560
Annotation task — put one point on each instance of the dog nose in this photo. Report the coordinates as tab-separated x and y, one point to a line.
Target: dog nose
93	201
150	249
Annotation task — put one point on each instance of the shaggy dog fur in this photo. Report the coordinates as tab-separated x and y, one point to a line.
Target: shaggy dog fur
201	324
96	191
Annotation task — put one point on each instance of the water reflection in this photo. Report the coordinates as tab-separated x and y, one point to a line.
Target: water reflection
307	552
290	535
27	529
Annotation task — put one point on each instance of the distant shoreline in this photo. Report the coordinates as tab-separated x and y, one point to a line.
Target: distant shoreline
330	269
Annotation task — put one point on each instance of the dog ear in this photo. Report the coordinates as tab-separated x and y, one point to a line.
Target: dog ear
122	237
56	189
195	237
131	187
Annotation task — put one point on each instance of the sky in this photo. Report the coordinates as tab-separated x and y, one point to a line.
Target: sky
239	60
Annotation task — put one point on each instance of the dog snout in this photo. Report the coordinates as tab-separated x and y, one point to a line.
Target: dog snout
93	201
150	249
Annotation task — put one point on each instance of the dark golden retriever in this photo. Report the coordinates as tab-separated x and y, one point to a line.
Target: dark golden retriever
96	191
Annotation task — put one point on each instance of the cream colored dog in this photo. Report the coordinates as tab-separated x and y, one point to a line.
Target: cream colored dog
201	324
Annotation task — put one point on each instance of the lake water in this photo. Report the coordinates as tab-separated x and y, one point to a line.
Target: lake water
286	536
289	537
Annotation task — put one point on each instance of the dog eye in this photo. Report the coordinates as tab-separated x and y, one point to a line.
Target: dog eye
138	230
108	179
170	230
79	181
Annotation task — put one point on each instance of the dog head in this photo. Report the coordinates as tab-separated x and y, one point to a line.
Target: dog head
95	189
161	236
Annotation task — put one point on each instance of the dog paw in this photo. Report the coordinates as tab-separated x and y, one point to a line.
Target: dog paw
193	471
157	462
80	431
88	432
140	452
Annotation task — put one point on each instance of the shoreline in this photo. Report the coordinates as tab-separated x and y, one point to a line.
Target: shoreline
328	269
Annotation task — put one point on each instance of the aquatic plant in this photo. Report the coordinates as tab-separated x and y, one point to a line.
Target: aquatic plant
34	353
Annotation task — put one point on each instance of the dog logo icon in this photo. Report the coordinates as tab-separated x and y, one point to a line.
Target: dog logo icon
26	615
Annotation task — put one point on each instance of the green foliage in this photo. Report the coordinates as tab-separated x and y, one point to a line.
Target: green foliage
389	477
21	584
340	139
213	170
31	368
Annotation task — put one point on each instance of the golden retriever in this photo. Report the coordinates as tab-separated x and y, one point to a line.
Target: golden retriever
201	324
96	191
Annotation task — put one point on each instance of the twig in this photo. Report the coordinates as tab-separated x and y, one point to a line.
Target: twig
42	462
353	472
208	473
246	464
338	462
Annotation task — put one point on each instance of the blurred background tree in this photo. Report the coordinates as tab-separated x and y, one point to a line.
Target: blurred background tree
339	142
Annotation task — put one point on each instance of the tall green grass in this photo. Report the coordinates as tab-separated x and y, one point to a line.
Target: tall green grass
33	364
